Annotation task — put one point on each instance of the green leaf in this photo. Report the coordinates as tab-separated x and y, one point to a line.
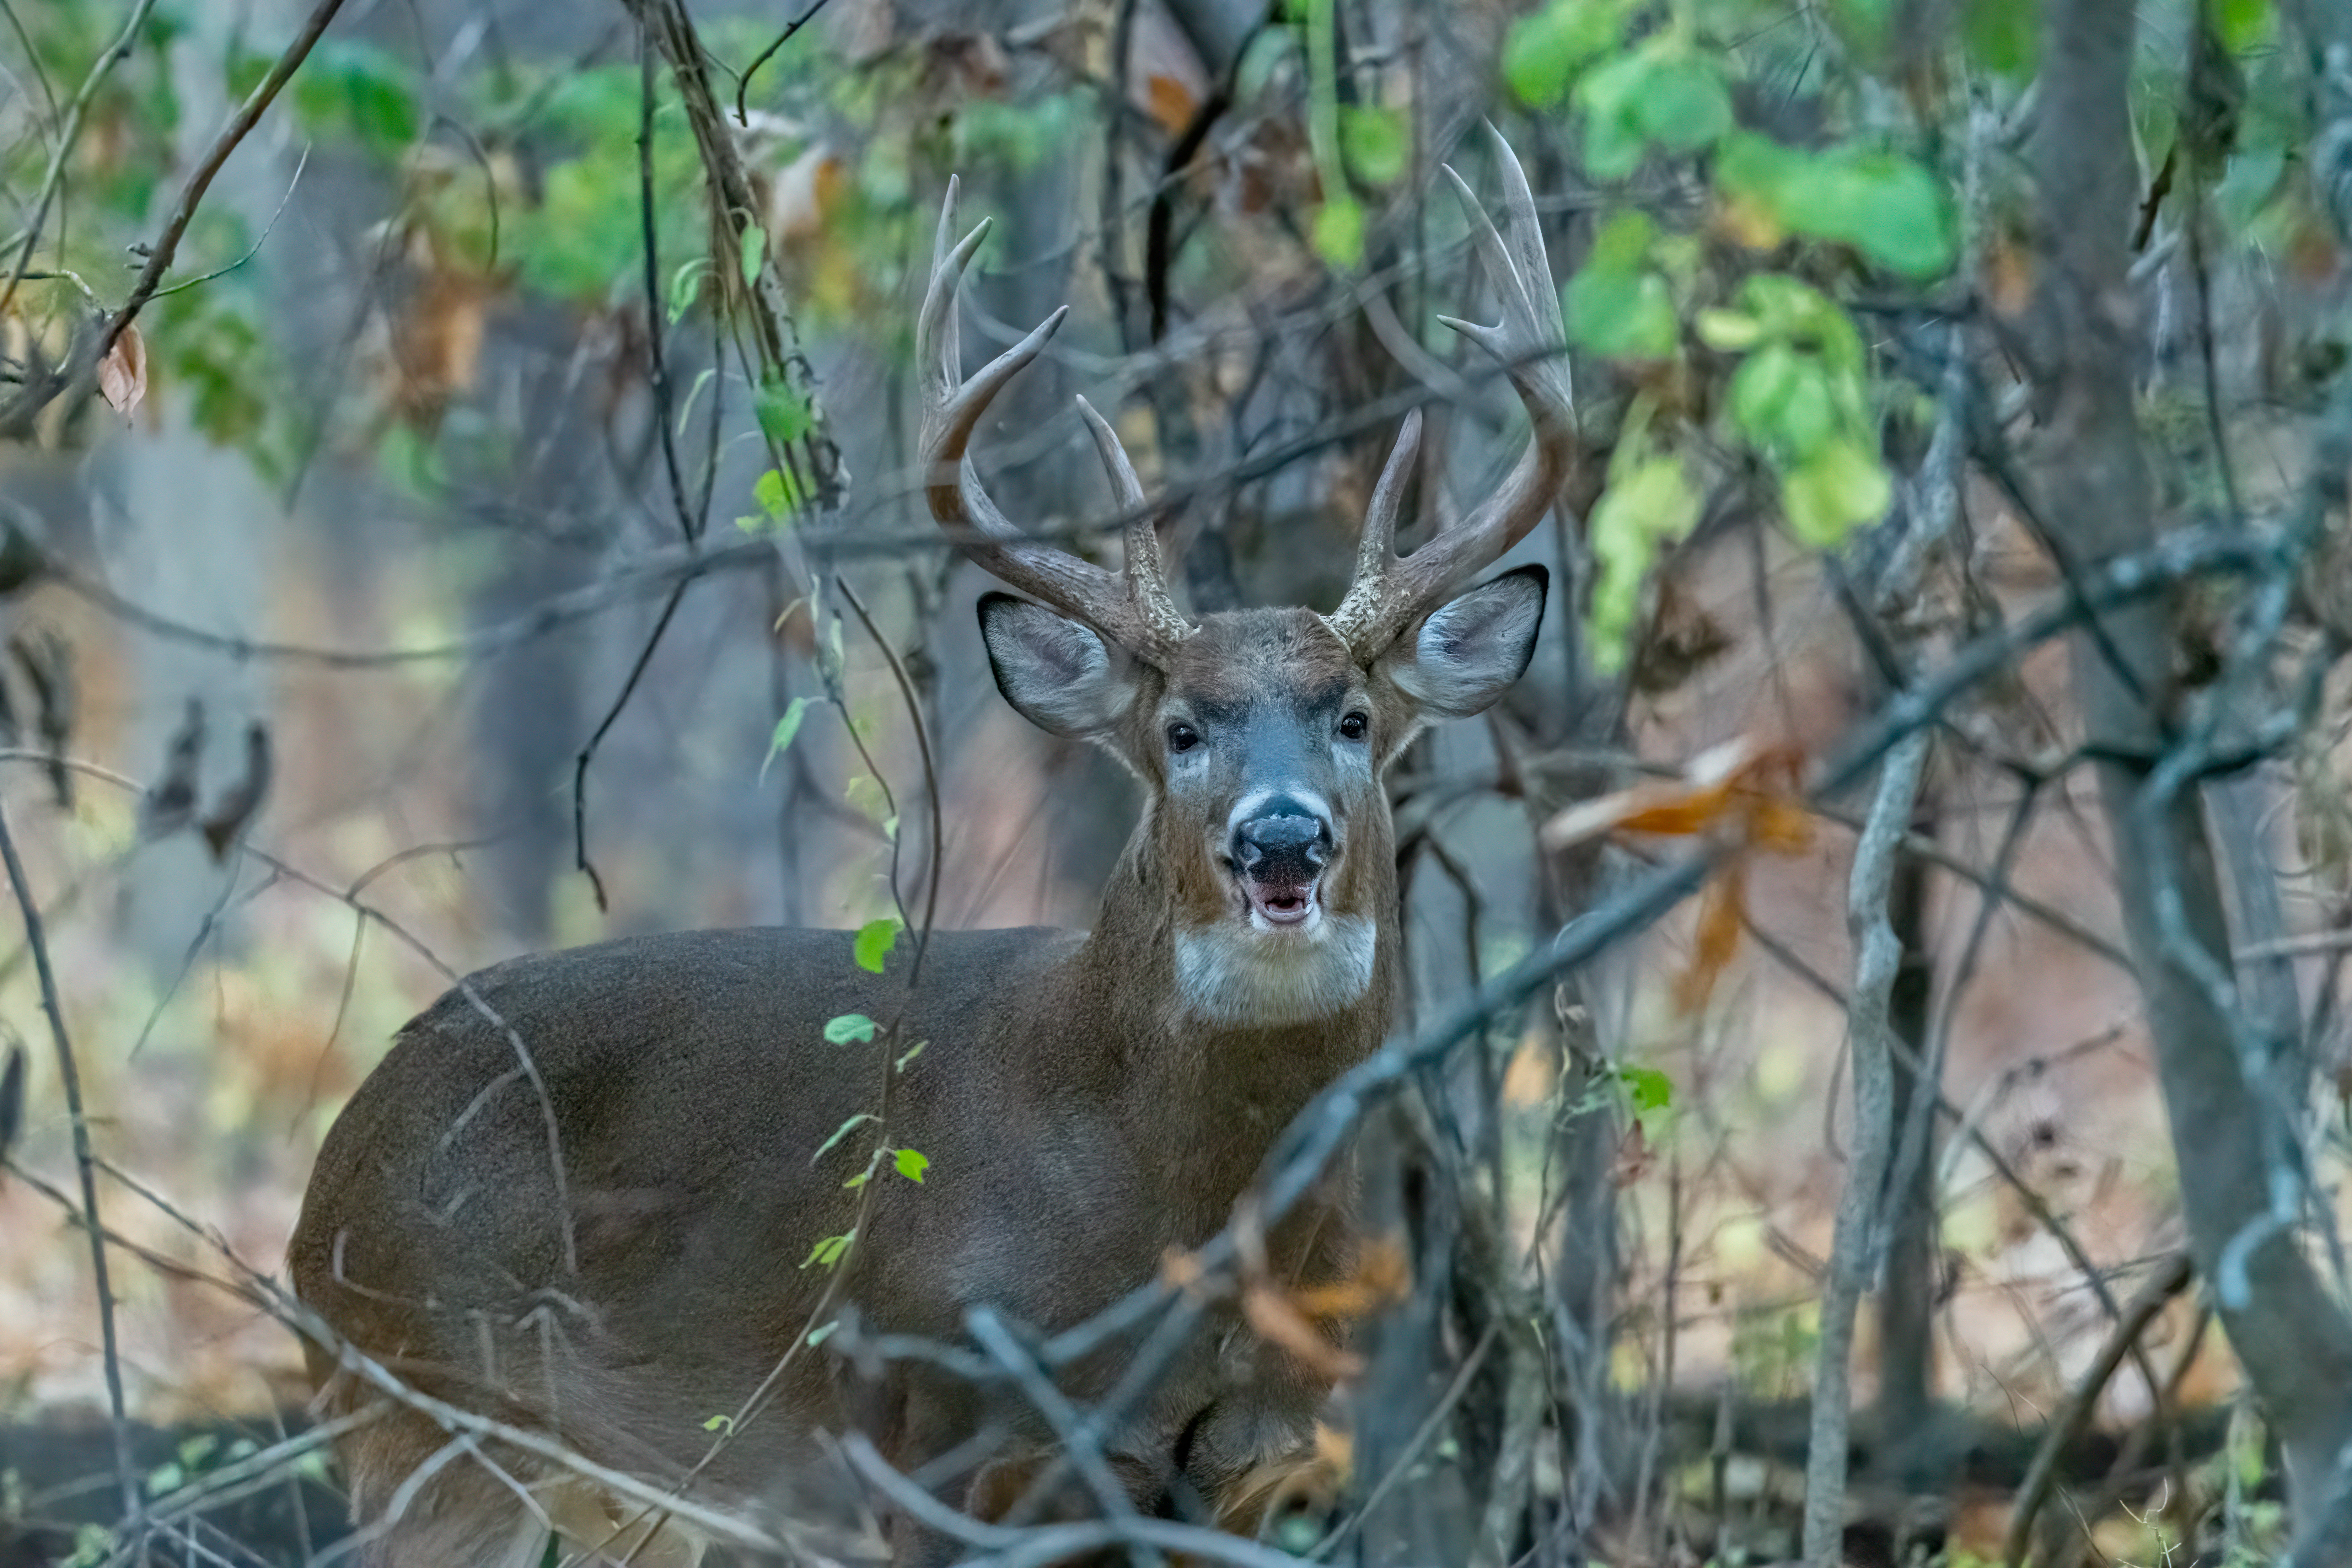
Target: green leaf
912	1052
786	728
875	939
822	1332
1683	105
2002	36
755	251
1892	211
1611	98
1649	1088
775	493
1377	142
2241	24
779	496
727	1421
2248	183
361	92
1615	305
1624	315
684	285
1837	489
911	1164
1729	331
784	413
832	1249
1339	232
1648	504
1886	207
1543	52
1623	242
840	1133
848	1028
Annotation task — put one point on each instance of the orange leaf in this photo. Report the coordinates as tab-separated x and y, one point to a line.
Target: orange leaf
1695	813
1682	806
1721	915
1381	1276
1279	1322
122	374
1780	824
1170	103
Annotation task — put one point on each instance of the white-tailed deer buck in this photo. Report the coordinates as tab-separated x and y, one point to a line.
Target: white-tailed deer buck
1087	1100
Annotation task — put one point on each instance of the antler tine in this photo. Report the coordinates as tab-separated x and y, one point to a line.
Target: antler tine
1524	238
1147	584
1376	547
1530	344
953	408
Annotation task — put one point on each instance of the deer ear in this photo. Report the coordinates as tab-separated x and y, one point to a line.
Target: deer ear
1058	674
1471	648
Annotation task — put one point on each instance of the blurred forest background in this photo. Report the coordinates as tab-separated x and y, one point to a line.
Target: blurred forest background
419	545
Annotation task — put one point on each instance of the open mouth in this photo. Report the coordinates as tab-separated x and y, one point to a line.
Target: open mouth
1281	904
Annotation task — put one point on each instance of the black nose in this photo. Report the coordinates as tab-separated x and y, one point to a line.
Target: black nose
1285	845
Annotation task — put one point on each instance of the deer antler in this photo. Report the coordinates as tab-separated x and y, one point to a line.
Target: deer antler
1136	612
1530	344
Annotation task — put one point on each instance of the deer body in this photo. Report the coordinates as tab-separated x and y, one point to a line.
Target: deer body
1086	1104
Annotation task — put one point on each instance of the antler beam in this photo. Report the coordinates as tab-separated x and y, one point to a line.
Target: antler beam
1530	344
1134	608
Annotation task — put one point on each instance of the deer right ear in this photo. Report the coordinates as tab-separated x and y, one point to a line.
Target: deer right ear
1058	674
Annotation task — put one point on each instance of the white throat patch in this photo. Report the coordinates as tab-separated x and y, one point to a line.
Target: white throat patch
1230	973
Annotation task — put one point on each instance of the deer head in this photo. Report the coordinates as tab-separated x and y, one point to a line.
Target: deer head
1262	735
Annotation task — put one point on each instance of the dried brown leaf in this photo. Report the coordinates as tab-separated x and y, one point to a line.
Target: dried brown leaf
122	374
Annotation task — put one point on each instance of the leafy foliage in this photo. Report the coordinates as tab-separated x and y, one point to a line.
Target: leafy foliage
848	1028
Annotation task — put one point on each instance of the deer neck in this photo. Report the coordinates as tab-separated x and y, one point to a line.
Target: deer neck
1205	1097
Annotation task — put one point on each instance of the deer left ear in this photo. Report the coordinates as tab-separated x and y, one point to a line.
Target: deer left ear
1059	675
1472	647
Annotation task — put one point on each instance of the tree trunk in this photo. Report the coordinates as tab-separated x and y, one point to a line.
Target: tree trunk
2289	1332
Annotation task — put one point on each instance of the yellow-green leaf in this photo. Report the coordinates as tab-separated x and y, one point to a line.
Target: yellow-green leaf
1339	232
875	939
1834	491
1377	142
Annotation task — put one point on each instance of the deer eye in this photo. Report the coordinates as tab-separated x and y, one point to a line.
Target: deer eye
1183	737
1354	726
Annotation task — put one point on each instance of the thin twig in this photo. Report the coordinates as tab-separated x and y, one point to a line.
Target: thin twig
1429	1428
656	363
99	70
267	230
580	860
85	1160
248	114
743	82
2171	1279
